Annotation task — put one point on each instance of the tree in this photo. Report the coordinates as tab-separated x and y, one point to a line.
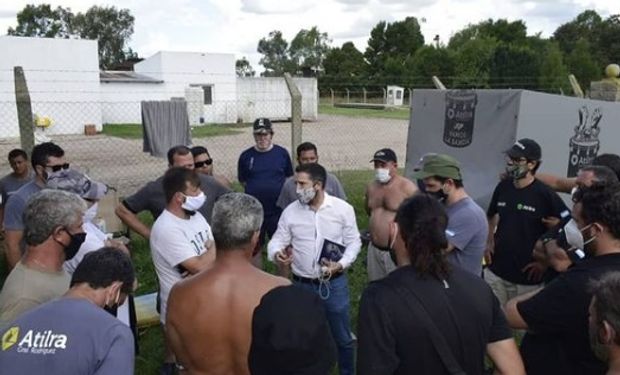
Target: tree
390	45
581	63
431	61
501	30
553	73
112	28
244	68
472	63
308	50
43	21
609	40
343	66
586	25
514	66
275	55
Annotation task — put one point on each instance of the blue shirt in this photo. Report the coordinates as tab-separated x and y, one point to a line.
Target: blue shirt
14	208
67	336
467	232
263	174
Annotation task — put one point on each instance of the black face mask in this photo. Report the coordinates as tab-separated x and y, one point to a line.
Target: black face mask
440	195
76	241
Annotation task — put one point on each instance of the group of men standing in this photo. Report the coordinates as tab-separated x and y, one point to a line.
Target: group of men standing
425	255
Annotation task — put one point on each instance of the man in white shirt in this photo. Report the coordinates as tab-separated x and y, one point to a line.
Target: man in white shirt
318	236
181	239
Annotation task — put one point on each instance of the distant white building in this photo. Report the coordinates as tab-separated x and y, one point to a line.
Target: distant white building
66	85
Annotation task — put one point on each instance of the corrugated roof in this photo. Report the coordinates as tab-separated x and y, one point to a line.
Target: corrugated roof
126	77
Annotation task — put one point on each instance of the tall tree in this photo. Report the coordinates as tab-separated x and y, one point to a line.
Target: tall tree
390	45
112	28
514	66
587	25
581	63
553	73
275	58
609	40
343	66
431	61
501	30
473	62
244	68
308	50
43	21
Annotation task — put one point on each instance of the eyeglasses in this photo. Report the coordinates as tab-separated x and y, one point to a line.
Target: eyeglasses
56	168
201	164
516	160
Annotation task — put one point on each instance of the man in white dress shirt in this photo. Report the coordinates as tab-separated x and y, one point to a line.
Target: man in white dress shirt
318	236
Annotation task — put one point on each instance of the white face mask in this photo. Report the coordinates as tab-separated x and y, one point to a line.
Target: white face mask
382	175
305	195
574	235
91	213
194	203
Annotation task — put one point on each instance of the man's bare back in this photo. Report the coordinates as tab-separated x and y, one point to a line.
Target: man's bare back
209	321
382	201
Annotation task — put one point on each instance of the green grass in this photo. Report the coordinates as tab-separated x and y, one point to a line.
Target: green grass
391	113
134	131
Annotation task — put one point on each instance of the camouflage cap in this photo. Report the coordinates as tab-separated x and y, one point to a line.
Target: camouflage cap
77	182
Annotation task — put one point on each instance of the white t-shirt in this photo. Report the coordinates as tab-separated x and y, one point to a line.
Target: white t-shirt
173	241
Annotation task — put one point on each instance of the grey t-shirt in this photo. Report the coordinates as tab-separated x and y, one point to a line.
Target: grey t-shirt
467	231
15	206
288	195
151	197
9	184
67	336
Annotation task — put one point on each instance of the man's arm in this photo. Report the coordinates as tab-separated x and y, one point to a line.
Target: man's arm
173	315
281	238
506	358
13	240
351	239
132	221
515	320
488	253
201	262
559	184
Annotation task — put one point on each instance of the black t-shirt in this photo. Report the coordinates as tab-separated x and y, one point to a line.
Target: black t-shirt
151	197
557	319
392	340
520	224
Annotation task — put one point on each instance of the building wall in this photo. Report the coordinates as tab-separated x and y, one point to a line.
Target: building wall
180	70
269	97
62	77
120	102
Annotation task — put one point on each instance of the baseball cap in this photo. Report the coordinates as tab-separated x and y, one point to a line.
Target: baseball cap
262	125
439	165
77	182
290	334
525	148
385	155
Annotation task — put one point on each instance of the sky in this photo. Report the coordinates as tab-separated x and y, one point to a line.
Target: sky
236	26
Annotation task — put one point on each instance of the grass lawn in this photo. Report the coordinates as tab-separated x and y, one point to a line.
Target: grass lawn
391	113
134	131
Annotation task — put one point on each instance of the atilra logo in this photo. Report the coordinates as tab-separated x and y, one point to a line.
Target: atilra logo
33	342
525	207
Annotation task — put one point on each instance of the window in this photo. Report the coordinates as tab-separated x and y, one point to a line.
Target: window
208	92
399	94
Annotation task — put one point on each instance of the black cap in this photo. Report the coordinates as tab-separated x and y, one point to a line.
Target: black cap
525	148
262	125
290	334
385	155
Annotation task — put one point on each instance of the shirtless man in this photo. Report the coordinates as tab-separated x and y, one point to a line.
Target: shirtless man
383	196
209	322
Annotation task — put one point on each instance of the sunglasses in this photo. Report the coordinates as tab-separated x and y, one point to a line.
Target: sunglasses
201	164
56	168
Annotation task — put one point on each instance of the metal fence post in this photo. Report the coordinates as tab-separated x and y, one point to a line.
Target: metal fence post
24	110
332	91
364	91
348	97
296	127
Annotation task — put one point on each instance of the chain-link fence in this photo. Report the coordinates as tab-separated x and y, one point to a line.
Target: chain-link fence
65	111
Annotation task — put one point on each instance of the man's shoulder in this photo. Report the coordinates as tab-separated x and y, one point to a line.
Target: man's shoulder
250	151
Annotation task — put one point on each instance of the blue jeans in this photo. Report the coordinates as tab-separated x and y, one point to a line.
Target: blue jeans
337	309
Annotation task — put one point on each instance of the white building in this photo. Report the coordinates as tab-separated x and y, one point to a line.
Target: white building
62	77
66	85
